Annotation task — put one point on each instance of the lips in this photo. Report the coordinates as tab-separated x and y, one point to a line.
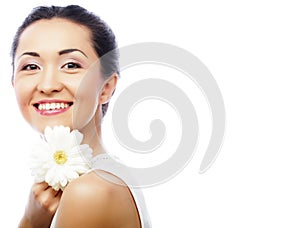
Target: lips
52	107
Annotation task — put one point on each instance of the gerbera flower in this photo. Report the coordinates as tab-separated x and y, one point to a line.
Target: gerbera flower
60	157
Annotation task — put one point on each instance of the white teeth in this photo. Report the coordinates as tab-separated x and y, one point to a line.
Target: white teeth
52	106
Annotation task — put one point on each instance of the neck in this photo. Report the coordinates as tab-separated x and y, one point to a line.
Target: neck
92	137
92	134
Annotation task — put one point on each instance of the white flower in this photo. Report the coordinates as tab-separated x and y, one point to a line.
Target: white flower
60	157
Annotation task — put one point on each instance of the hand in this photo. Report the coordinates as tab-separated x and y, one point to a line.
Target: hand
41	207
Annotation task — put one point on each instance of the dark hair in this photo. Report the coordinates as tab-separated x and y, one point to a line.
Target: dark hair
102	37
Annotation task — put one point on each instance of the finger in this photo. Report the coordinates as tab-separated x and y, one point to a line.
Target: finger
58	193
48	197
40	186
52	192
53	207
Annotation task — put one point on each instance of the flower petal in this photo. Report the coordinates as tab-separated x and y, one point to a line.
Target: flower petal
43	165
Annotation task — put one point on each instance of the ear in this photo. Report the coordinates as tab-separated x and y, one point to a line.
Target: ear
108	89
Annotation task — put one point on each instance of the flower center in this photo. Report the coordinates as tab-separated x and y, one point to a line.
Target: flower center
60	157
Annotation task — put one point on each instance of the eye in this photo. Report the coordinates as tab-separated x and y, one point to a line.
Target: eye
71	66
30	67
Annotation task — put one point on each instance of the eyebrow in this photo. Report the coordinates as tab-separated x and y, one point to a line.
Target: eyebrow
34	54
66	51
62	52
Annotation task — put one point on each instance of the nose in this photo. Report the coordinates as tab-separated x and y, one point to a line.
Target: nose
49	81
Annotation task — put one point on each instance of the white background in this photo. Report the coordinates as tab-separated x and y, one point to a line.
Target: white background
252	49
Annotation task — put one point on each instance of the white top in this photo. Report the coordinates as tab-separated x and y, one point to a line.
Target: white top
106	163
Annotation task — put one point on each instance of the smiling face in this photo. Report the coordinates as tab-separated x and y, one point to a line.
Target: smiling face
57	76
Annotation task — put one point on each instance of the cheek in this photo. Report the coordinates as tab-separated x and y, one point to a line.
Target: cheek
22	93
87	98
83	112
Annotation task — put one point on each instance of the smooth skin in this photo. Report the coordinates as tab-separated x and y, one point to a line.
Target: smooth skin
55	60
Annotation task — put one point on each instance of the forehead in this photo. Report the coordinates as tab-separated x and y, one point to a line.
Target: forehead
55	34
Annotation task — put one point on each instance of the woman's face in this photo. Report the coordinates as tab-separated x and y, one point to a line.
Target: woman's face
57	77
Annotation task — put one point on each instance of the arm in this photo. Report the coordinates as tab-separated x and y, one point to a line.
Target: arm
41	207
91	201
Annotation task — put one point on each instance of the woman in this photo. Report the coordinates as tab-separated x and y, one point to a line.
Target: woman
59	80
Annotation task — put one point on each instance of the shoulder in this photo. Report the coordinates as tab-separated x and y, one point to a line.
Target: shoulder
95	199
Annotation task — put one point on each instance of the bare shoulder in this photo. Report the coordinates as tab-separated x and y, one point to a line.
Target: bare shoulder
93	201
